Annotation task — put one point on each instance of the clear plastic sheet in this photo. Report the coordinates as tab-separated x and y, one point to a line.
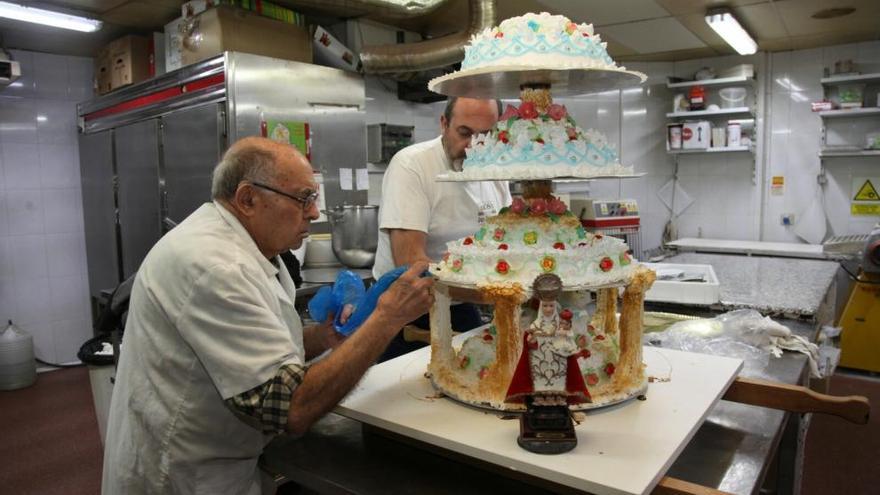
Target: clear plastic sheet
743	334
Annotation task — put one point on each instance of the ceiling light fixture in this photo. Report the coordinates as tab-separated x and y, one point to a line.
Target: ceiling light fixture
726	25
48	17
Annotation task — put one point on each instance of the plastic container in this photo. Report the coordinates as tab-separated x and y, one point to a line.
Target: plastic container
732	97
734	135
851	95
17	366
674	138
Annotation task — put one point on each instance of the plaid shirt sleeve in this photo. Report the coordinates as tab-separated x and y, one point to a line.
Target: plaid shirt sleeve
265	406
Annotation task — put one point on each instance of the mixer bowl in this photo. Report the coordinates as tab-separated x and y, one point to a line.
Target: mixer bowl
355	234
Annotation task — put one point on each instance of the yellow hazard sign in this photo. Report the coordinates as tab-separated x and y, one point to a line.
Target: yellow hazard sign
867	192
869	209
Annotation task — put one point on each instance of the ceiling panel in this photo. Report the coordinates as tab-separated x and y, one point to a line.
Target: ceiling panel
796	14
657	35
686	7
603	13
144	15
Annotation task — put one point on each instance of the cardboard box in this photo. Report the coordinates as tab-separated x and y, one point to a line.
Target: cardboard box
130	57
695	135
157	54
174	44
227	29
103	71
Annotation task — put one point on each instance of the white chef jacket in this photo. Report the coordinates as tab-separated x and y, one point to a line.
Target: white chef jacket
412	199
209	318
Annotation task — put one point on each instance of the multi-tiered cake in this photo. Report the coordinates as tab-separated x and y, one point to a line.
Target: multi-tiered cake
537	234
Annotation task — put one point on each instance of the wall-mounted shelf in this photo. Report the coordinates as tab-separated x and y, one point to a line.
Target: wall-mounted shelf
709	113
726	149
851	112
832	153
861	78
722	81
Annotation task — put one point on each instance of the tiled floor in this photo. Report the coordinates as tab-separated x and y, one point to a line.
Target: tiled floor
49	442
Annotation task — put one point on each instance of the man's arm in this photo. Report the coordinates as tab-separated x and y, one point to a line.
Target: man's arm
408	246
322	336
328	381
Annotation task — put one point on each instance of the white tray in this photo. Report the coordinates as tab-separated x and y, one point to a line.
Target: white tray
623	449
684	292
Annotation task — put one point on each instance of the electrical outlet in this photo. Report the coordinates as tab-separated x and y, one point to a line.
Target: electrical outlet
788	219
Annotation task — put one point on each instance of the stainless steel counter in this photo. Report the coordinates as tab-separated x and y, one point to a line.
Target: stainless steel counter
780	286
315	278
732	451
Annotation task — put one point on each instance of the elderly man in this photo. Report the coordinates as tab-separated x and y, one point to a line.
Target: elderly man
214	358
419	215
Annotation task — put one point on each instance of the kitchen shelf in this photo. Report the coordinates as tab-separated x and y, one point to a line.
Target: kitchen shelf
861	78
721	81
726	149
852	112
832	153
708	113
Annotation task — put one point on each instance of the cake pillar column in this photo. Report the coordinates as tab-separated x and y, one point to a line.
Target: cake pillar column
631	314
441	325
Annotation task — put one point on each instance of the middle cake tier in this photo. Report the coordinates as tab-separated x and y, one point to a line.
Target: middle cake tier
532	237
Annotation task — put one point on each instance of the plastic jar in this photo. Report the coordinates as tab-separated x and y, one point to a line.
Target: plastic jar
732	97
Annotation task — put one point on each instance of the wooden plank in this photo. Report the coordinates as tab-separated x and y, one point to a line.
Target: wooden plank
794	398
675	486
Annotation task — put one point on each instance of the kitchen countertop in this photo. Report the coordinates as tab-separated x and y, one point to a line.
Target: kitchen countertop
788	286
315	278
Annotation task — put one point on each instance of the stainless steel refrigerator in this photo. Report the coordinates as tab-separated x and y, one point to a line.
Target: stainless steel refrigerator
147	151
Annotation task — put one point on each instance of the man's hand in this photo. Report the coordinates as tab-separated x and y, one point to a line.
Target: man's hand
318	338
408	298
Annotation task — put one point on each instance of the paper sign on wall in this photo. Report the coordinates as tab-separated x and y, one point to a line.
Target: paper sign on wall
865	199
777	185
363	179
346	181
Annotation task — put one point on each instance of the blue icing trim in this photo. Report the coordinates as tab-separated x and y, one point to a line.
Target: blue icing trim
484	52
600	156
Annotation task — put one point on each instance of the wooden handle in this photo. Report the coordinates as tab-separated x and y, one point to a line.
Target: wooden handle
794	398
675	486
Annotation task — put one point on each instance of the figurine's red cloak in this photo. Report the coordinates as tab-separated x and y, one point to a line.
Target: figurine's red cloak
521	385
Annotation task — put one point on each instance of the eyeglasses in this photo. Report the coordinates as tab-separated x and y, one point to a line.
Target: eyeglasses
306	201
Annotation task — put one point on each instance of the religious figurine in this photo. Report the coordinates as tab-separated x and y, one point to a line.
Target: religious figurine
548	371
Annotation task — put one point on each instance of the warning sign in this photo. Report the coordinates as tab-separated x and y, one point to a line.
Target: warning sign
865	199
870	209
777	185
866	192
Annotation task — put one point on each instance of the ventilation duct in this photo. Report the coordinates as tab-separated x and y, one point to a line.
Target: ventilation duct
431	54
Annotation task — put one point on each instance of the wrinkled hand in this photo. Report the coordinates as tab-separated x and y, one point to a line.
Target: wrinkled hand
332	338
409	297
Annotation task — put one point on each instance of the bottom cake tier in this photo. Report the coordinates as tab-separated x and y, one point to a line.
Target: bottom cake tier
607	349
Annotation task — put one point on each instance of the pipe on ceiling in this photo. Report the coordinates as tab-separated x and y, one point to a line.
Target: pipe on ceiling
390	8
430	54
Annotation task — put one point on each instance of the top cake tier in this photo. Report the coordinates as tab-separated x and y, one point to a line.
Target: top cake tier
535	49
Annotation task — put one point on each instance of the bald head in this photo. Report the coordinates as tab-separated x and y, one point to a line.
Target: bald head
253	159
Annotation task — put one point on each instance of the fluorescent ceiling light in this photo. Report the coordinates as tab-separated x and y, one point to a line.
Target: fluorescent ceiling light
48	17
723	22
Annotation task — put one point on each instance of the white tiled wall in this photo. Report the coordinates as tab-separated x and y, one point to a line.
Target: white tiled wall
43	281
796	138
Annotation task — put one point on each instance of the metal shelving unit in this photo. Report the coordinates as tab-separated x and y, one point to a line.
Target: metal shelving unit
726	149
873	80
850	113
833	153
710	113
722	81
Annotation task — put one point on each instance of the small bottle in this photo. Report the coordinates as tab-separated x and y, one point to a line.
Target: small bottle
697	98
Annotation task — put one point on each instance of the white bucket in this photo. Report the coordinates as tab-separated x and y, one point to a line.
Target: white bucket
17	366
732	97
